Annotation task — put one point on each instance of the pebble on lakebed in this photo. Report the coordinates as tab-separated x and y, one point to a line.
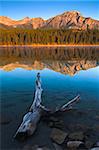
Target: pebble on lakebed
74	144
76	136
58	135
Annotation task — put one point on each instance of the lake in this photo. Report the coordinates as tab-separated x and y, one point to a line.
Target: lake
65	72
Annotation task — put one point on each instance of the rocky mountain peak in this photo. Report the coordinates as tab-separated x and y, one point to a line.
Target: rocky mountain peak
72	12
67	20
26	19
6	20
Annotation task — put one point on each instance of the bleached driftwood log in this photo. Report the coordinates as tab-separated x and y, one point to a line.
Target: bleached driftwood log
31	119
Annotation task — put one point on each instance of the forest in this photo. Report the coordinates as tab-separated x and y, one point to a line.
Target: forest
48	36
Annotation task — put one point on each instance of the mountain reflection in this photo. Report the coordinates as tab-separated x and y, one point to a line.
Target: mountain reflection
67	60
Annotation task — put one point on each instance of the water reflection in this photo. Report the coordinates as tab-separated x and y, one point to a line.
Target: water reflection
65	60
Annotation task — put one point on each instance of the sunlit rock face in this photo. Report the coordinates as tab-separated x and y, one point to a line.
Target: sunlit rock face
63	60
26	23
37	23
67	20
72	20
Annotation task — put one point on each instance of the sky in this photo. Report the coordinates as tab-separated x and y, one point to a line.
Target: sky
47	8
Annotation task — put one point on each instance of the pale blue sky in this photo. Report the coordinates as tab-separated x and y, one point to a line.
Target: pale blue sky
47	8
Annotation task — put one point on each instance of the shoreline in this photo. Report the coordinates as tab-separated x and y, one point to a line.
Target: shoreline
52	45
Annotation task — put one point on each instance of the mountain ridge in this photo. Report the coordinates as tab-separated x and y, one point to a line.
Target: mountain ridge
66	20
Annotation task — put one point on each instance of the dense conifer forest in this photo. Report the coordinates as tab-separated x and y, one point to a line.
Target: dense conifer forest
48	36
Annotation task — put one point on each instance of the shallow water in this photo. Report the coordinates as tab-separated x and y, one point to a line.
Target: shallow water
65	72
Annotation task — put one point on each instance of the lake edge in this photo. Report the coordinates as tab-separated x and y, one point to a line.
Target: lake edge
38	45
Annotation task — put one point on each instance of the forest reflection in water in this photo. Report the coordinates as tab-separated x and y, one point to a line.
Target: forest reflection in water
67	60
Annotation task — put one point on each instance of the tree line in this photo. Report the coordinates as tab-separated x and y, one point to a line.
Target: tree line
48	36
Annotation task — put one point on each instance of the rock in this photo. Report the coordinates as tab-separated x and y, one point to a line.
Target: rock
43	148
88	144
58	135
54	122
59	125
39	148
54	119
91	135
57	147
74	144
76	136
80	127
36	147
97	144
95	148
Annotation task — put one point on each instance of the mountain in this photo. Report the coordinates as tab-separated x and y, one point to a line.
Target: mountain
67	20
25	23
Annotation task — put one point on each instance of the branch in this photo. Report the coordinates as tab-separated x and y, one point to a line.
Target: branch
70	103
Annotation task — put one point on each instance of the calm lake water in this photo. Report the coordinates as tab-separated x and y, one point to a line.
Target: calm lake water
65	72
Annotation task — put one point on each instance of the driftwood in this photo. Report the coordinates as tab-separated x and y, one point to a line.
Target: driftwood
31	119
